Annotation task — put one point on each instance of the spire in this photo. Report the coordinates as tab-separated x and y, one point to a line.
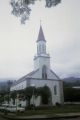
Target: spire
41	35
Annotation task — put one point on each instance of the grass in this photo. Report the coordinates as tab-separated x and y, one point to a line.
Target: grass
53	110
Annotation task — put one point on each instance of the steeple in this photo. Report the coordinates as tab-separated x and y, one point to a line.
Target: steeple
41	58
41	35
41	42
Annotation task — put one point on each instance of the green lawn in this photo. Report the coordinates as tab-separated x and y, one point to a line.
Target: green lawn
54	110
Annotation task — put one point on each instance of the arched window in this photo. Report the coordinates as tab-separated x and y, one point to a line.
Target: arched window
44	72
55	90
43	48
39	48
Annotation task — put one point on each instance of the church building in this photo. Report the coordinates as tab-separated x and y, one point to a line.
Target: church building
42	74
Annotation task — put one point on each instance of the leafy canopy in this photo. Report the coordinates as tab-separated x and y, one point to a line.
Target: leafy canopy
22	9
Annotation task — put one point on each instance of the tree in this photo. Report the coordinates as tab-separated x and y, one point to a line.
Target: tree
13	95
22	9
71	94
1	98
28	93
45	94
9	83
6	98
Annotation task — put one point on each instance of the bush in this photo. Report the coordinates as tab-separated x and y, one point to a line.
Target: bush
31	107
58	104
44	107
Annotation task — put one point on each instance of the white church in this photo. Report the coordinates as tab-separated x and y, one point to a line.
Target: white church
42	74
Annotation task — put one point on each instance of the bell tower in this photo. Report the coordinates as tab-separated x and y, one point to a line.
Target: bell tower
41	43
42	58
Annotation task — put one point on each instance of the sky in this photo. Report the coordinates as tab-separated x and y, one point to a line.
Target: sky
61	27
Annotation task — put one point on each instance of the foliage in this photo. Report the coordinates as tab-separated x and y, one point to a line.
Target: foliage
4	96
71	94
54	110
72	83
1	98
29	91
21	8
13	95
45	94
9	83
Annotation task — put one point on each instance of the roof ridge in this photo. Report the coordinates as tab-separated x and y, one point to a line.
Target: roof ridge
25	76
54	73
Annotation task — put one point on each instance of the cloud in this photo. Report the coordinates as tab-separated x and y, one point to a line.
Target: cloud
67	60
61	26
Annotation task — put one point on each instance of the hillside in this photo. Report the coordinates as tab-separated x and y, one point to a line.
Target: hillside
5	84
73	81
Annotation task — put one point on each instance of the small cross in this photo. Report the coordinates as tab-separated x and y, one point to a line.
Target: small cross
40	22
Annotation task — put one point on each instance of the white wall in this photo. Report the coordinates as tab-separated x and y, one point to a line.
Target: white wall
50	75
40	83
18	86
41	60
50	84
